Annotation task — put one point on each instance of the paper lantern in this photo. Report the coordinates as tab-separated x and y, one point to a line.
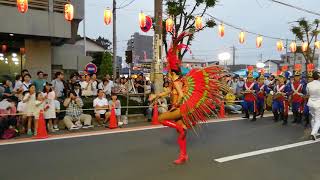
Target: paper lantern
241	37
221	30
107	16
68	12
142	20
22	5
148	25
198	22
293	47
317	44
169	25
4	48
279	46
22	50
304	47
259	41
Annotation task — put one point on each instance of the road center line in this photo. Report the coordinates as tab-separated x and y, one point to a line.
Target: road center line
265	151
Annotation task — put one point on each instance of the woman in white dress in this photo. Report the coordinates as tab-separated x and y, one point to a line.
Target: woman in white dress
50	113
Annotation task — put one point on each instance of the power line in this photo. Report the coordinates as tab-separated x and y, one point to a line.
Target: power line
296	7
121	7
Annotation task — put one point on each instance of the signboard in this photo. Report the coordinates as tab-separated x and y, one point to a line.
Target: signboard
91	68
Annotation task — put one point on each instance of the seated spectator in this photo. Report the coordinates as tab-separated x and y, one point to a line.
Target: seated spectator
230	105
115	103
18	87
7	121
86	86
74	114
7	85
101	106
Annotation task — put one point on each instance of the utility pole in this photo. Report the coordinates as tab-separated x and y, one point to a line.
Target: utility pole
84	29
114	41
234	55
157	76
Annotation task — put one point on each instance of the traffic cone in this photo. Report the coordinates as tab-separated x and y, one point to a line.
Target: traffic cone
222	112
41	130
113	123
155	115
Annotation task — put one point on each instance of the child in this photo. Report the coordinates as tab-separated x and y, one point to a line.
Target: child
115	103
50	113
29	100
39	105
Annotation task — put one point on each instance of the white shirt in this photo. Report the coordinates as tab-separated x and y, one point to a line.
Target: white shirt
106	88
94	87
313	89
25	86
100	102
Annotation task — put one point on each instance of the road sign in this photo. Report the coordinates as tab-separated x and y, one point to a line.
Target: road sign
91	68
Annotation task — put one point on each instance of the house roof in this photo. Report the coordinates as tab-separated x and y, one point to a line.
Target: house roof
79	38
274	61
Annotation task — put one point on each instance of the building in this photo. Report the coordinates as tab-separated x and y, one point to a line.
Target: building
273	65
141	46
291	59
37	33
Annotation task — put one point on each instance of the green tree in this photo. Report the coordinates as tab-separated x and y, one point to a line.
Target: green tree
106	65
183	13
307	32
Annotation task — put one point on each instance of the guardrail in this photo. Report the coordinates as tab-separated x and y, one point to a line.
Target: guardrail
58	5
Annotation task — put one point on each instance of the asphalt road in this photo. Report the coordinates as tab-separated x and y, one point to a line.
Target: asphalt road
148	155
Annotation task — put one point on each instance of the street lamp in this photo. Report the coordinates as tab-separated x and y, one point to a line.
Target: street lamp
224	57
260	65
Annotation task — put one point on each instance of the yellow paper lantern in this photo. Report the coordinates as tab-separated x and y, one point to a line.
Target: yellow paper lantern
259	41
107	16
279	46
22	5
142	19
304	47
198	22
317	44
293	47
68	12
169	25
241	37
221	30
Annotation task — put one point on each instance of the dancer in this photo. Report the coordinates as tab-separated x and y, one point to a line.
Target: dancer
250	100
194	97
262	94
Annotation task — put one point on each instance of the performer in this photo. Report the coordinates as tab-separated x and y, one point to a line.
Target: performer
250	99
194	97
263	90
280	105
297	95
306	113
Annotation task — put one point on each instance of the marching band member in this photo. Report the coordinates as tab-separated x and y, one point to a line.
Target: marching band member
262	92
250	99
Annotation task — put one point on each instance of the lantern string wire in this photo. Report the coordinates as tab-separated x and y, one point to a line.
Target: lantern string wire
247	31
128	4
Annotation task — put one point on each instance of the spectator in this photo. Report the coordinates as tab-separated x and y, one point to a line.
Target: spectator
7	122
40	82
18	87
50	113
106	85
24	72
123	88
29	100
73	80
162	106
7	85
74	114
116	104
39	106
240	86
26	82
101	106
77	89
86	86
230	104
95	83
108	78
147	87
116	86
140	84
58	85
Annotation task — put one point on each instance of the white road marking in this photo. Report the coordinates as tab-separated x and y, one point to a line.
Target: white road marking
103	132
265	151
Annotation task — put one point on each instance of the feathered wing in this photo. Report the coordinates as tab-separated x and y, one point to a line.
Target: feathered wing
202	94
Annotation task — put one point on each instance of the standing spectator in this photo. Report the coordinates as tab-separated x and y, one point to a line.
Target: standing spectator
116	86
140	84
101	106
39	105
86	86
74	114
26	82
73	80
50	113
29	100
95	83
108	78
24	72
147	87
116	104
77	89
240	86
40	82
18	87
106	85
123	88
58	86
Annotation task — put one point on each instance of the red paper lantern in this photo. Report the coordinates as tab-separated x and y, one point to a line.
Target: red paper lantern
148	25
142	20
107	16
279	46
317	44
22	5
68	12
241	37
169	25
293	47
198	22
221	30
304	47
4	48
259	41
22	50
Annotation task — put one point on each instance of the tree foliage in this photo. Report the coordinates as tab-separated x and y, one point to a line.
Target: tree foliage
104	42
307	32
106	65
183	13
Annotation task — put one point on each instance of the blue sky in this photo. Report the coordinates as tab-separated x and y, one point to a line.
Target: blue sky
260	16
